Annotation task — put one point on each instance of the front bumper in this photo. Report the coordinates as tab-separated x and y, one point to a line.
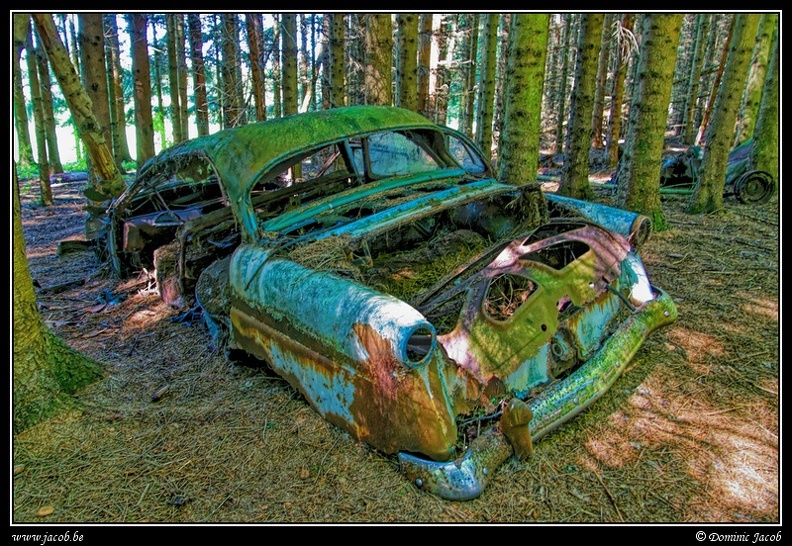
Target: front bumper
466	477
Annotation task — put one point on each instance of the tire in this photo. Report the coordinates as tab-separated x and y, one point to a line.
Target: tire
754	187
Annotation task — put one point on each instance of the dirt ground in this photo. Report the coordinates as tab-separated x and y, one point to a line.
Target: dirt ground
175	433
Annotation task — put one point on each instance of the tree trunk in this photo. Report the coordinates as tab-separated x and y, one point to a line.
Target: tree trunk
115	90
378	59
715	88
177	76
337	56
253	22
24	146
552	72
199	74
110	181
566	33
42	159
276	66
74	55
289	63
309	100
327	31
181	63
144	128
575	177
424	62
470	77
602	76
94	79
497	111
489	39
159	120
46	371
524	82
303	69
708	194
317	58
639	173
45	87
752	96
694	83
173	77
765	149
233	109
407	66
444	37
617	96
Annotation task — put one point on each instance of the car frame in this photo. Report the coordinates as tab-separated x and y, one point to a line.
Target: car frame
371	259
679	173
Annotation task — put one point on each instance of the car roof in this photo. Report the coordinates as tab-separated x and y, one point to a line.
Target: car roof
242	154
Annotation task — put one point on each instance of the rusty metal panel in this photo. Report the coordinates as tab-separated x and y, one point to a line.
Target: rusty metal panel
344	347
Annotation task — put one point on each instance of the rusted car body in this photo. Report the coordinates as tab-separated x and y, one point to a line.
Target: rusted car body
680	173
371	259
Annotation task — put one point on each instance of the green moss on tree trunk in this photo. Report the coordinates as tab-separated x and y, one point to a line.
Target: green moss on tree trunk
46	371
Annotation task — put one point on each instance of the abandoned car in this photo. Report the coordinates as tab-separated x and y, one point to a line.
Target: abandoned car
371	259
749	186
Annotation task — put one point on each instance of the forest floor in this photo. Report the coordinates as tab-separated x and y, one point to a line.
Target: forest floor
175	433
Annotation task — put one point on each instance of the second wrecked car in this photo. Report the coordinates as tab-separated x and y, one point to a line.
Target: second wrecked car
371	259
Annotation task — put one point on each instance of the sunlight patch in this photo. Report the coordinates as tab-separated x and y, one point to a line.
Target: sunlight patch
747	474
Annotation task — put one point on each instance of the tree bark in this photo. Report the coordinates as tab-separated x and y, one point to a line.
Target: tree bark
24	146
561	99
181	63
575	176
765	148
524	83
303	67
141	73
157	82
289	63
424	61
486	101
233	110
46	372
109	177
752	96
378	53
602	77
337	57
708	194
253	22
173	77
199	74
639	172
407	66
617	96
115	90
694	82
497	111
45	87
276	67
469	96
715	88
42	158
94	78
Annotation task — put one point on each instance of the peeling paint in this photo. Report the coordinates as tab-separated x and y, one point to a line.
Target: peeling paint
439	314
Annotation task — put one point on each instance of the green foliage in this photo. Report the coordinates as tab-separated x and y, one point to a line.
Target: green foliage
79	165
129	166
27	172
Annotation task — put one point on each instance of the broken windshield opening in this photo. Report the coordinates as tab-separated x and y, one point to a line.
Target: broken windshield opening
393	154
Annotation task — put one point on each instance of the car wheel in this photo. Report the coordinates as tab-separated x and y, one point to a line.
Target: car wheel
754	187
